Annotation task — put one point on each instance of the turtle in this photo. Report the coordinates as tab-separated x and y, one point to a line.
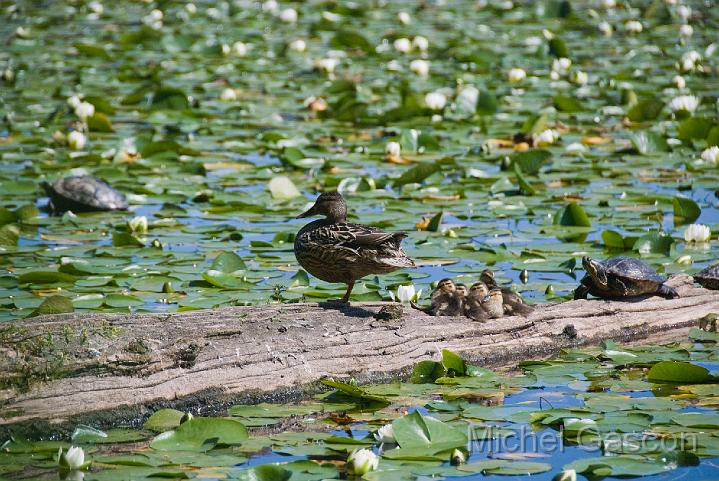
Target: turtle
83	193
621	277
445	300
708	277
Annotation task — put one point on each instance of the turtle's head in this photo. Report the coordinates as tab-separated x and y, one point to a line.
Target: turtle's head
329	204
595	270
461	291
447	286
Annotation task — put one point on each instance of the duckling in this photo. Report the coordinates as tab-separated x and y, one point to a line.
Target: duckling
334	250
494	304
444	300
473	306
513	303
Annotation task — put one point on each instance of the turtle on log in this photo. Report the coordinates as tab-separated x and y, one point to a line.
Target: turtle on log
621	277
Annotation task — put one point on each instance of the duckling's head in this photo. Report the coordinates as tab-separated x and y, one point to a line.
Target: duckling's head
479	290
487	276
329	204
447	286
461	291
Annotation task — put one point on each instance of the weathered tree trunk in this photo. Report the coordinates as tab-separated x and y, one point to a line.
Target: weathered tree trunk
61	367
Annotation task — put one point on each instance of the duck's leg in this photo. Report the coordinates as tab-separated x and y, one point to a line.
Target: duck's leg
346	298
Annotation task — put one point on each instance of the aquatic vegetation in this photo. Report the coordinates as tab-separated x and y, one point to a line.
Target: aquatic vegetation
520	136
619	411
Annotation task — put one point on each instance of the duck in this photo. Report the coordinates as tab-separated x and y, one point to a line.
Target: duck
473	307
334	250
513	303
443	300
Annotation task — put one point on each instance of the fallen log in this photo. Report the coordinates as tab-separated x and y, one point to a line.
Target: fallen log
97	368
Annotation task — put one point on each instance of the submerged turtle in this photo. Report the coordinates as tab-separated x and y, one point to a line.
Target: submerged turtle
708	277
621	277
83	193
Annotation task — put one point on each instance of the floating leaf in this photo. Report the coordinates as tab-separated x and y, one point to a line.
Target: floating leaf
417	431
164	420
654	243
678	372
282	188
201	434
686	210
645	109
417	174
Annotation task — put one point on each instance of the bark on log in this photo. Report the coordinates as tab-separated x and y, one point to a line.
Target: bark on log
59	368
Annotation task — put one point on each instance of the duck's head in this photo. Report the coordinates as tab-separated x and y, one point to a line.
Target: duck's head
329	204
461	291
479	290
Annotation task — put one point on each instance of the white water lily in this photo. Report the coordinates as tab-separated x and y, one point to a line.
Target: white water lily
697	233
239	49
270	6
393	150
84	110
73	458
406	293
435	100
404	18
684	12
579	77
228	95
420	43
684	103
361	461
686	31
402	45
689	61
561	65
575	148
679	82
711	155
154	19
225	49
96	7
385	435
298	45
633	26
327	65
609	4
606	28
138	225
288	15
73	101
466	100
516	75
546	137
191	8
566	475
420	67
76	140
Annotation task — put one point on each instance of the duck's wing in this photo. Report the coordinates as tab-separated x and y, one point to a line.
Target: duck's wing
366	236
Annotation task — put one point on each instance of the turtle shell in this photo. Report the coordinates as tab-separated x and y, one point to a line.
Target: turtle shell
83	193
708	277
638	276
632	269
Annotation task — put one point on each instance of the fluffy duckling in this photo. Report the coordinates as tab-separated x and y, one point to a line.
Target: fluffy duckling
513	303
444	300
473	306
494	303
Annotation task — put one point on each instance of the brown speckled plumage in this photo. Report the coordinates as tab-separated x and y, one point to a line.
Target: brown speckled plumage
334	250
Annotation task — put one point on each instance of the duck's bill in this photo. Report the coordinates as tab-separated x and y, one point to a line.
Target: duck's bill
308	213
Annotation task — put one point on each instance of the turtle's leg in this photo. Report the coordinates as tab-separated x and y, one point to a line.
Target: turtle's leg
667	292
583	289
346	297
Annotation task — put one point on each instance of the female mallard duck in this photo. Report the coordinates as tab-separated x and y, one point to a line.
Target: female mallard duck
334	250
